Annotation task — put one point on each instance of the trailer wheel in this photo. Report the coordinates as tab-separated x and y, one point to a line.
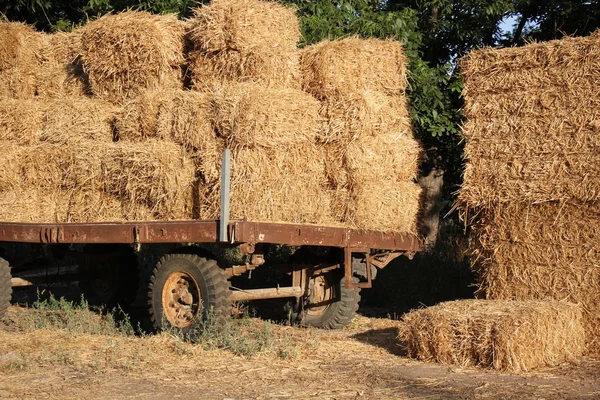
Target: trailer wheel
331	305
185	288
5	287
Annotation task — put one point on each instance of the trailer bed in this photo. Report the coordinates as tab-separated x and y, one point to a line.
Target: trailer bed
206	231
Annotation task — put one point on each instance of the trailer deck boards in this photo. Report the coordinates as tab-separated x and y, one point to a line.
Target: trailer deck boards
206	231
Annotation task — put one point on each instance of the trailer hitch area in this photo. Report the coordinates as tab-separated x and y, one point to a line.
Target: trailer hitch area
380	261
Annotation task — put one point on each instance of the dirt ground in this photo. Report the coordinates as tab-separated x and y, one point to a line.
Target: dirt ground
363	361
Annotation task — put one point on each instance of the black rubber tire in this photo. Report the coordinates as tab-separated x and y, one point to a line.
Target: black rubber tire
212	282
5	287
339	313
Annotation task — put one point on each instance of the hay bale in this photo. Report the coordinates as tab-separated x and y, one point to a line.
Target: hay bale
20	48
62	120
542	144
261	65
182	117
37	206
275	186
248	115
61	72
363	113
504	335
127	53
155	176
543	251
334	68
243	24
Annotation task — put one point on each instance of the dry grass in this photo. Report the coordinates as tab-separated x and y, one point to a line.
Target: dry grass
332	69
20	57
241	25
249	115
61	121
261	65
512	336
531	186
127	53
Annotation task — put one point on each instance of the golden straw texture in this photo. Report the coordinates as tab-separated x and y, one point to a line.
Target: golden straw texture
515	336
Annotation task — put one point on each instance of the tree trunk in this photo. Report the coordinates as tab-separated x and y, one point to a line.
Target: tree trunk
431	205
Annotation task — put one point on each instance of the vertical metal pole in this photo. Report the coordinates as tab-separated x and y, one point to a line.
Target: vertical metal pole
225	192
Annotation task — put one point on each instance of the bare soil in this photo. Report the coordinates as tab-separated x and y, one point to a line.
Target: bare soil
363	361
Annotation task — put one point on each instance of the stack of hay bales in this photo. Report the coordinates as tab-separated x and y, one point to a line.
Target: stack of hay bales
244	41
514	336
532	185
371	155
143	135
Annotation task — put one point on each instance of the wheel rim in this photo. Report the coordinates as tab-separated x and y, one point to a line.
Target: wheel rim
181	299
322	294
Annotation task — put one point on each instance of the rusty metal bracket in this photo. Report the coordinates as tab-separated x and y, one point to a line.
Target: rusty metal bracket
348	273
383	259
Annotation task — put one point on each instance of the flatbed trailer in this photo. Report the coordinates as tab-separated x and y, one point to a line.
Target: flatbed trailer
189	266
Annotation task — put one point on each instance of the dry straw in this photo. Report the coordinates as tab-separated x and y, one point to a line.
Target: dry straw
20	48
249	115
514	336
182	117
129	52
276	186
531	186
330	69
154	176
61	72
62	120
263	65
241	25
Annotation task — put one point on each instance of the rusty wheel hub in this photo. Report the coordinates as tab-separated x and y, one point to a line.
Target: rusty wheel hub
181	299
322	294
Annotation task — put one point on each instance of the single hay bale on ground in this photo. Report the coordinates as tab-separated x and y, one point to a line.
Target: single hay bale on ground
541	251
243	24
20	48
182	117
273	185
514	336
61	120
262	65
334	68
248	115
127	53
61	72
363	113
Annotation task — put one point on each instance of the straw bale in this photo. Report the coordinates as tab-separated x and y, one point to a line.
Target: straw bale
155	176
248	115
60	120
514	336
277	186
262	65
20	48
129	52
383	205
61	72
182	117
363	113
243	24
33	205
542	251
334	68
